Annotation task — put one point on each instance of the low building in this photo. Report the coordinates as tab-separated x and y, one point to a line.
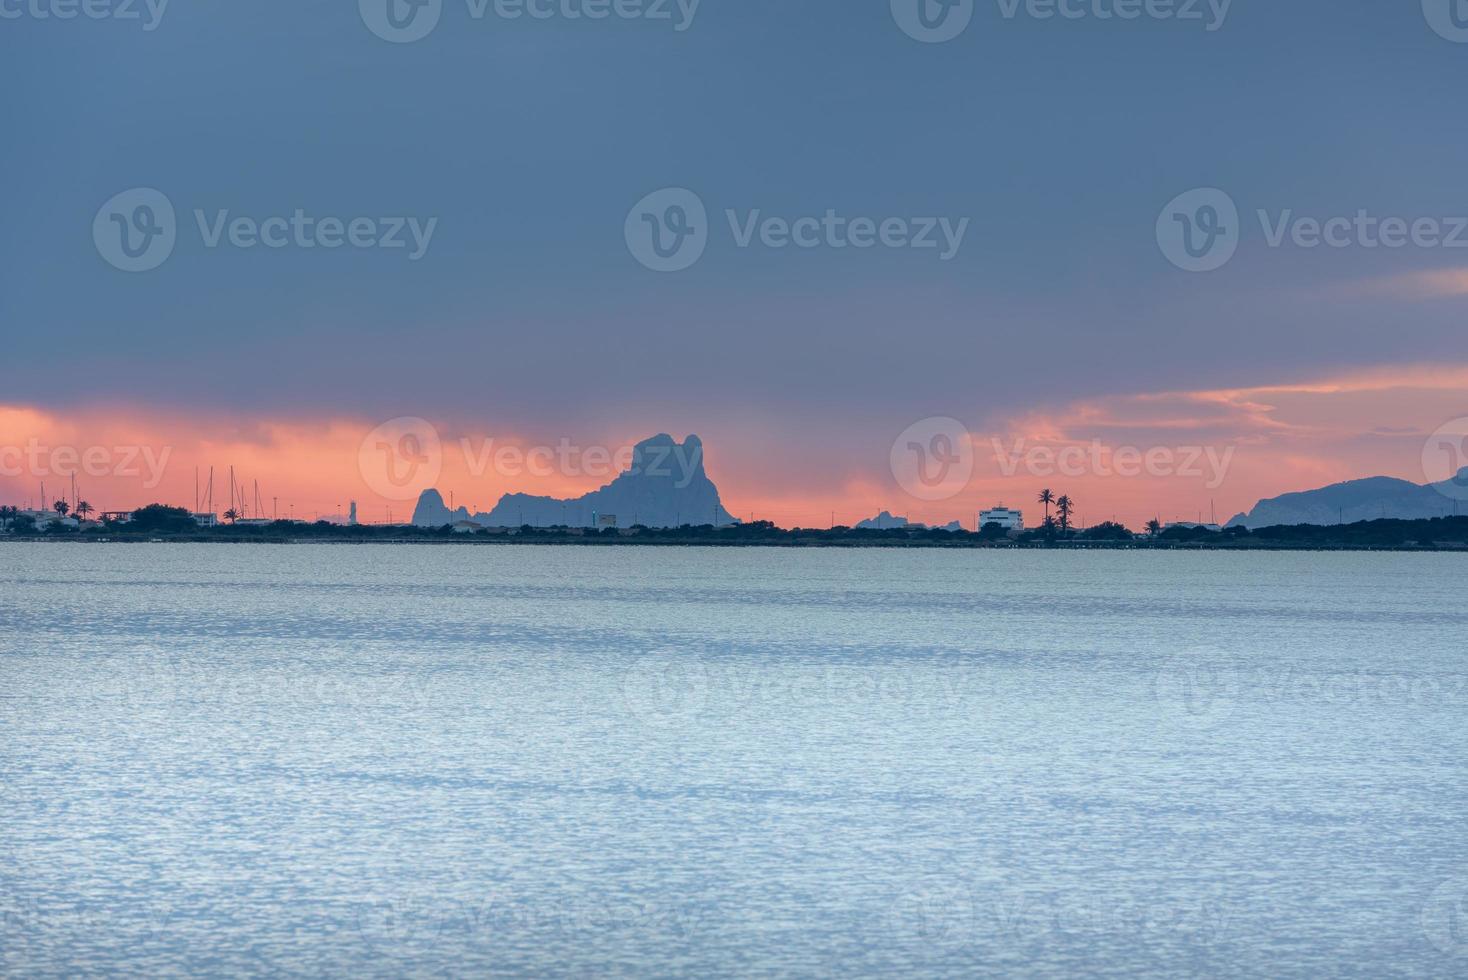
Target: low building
467	527
1010	520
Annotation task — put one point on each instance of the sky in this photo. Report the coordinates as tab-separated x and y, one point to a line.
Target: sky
503	176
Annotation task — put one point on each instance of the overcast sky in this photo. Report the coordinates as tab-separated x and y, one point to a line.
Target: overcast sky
526	142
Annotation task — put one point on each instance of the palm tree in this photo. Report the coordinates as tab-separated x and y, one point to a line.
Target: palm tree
8	514
61	507
83	509
1064	505
230	515
1154	527
1047	498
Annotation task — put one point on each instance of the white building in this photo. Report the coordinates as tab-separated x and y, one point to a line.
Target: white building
1010	520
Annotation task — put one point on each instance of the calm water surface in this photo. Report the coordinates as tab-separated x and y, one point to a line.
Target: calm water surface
379	761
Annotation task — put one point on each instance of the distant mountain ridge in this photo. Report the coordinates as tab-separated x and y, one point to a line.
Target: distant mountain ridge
1370	499
887	522
882	522
666	486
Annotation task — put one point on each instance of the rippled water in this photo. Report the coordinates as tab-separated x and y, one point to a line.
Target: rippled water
638	761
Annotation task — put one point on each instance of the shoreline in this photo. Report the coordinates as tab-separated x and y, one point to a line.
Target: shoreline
1437	534
1219	547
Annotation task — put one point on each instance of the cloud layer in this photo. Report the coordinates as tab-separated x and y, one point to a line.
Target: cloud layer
1173	454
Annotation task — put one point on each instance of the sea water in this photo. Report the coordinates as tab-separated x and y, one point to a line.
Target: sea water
641	761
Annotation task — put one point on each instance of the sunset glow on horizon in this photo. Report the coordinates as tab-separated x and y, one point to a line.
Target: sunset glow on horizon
1215	452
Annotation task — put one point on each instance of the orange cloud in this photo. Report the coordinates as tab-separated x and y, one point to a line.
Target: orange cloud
305	469
1274	439
1172	454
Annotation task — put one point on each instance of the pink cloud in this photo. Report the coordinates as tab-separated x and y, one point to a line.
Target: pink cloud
1221	449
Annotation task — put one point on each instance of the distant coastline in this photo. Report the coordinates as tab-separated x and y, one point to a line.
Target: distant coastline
1448	534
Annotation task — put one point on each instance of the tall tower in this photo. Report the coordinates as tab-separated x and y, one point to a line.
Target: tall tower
352	515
